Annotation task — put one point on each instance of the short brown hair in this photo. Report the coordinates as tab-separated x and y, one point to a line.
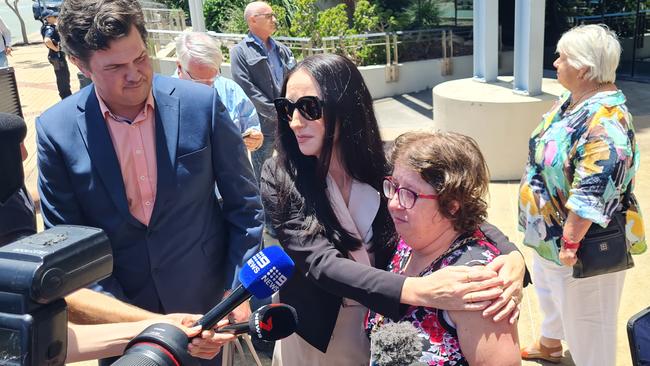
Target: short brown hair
89	25
454	166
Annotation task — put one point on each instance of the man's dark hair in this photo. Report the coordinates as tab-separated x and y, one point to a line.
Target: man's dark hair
348	111
90	25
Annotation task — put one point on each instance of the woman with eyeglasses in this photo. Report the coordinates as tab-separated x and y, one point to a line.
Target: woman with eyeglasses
322	192
436	198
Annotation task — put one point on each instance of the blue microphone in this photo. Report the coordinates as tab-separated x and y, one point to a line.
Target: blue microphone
262	275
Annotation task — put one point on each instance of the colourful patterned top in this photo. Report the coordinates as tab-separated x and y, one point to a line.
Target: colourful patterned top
439	338
582	161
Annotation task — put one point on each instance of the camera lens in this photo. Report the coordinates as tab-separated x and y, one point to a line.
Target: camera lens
158	345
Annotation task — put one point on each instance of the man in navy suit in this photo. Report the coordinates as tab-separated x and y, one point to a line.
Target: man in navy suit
138	155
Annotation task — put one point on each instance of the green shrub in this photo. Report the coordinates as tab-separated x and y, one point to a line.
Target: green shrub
178	4
303	18
422	14
217	12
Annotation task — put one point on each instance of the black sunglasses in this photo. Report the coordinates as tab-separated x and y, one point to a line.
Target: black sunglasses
310	107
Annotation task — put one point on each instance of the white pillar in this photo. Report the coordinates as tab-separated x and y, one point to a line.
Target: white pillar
529	46
196	15
486	38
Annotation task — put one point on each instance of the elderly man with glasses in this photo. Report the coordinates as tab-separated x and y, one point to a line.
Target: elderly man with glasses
259	64
198	58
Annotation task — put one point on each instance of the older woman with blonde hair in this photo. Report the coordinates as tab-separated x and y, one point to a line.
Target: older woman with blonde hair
580	172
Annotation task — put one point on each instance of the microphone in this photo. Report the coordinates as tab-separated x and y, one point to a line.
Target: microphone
262	275
395	344
12	133
269	323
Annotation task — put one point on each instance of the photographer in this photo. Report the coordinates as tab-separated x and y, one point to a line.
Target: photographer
85	341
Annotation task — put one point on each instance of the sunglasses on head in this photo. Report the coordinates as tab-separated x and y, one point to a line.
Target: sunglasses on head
310	107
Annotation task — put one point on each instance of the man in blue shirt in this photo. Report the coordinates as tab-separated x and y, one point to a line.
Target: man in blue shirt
259	65
199	59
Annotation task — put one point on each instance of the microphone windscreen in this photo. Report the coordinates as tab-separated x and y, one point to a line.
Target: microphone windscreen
12	129
395	344
12	133
265	272
274	321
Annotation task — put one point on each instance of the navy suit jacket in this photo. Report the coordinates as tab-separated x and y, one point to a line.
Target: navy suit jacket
192	247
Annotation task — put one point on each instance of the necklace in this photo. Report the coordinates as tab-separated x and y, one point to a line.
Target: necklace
577	101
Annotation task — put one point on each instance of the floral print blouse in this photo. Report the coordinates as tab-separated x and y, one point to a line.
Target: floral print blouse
439	338
581	161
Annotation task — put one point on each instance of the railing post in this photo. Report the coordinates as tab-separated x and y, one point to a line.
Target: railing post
451	43
182	15
395	53
387	50
446	59
444	44
392	71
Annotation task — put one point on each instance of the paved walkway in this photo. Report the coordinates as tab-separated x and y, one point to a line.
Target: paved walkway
37	90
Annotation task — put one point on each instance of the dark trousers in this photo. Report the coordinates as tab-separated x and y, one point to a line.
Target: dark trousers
62	75
259	157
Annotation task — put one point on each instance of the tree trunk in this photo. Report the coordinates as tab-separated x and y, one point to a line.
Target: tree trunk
23	29
350	5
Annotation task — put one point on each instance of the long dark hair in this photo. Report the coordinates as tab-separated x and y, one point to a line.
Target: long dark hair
348	105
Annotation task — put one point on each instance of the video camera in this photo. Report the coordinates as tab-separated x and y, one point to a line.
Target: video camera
36	272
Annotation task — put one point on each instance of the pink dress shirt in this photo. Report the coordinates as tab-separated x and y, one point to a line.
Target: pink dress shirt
135	146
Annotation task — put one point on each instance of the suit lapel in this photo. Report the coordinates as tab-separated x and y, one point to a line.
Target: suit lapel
167	125
98	141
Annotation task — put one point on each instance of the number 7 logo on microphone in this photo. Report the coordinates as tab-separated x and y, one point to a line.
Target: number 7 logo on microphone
268	326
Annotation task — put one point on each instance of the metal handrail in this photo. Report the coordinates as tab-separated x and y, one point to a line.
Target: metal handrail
609	15
429	42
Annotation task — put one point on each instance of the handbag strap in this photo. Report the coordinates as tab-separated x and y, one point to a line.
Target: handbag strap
625	204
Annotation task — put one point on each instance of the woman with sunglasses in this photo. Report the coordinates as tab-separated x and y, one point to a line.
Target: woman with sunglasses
436	198
322	192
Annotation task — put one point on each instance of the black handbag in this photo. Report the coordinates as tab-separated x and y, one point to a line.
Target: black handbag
605	250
